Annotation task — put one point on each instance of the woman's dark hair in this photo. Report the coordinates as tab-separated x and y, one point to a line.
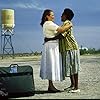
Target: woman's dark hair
45	13
68	13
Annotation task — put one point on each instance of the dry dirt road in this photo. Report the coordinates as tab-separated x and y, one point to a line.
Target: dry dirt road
89	78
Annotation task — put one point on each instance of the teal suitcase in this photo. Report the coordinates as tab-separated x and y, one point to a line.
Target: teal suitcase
18	80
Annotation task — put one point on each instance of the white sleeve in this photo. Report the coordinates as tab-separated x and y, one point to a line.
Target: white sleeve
52	27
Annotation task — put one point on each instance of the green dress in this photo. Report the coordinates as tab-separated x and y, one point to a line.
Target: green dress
69	49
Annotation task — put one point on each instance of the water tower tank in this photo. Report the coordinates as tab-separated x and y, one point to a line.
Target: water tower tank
7	18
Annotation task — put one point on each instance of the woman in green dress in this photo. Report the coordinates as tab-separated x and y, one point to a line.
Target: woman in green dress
70	52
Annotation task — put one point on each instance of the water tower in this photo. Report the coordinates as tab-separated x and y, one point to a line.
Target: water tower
7	26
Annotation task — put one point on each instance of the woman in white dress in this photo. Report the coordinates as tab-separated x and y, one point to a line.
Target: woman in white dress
51	62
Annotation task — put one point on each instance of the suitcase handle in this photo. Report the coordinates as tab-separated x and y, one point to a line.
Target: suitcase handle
14	65
13	68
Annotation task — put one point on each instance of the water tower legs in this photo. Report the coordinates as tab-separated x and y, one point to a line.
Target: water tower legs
6	42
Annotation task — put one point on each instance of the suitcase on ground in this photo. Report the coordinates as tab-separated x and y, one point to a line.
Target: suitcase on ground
18	80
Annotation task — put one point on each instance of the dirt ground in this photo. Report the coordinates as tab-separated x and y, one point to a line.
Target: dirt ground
89	78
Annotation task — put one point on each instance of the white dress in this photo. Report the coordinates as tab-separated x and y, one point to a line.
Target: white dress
51	62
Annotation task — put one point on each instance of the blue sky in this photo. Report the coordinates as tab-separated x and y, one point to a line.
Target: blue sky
28	34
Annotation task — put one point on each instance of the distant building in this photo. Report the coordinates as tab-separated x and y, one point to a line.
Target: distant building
83	48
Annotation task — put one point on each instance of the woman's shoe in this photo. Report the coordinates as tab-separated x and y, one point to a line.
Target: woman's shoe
74	91
53	90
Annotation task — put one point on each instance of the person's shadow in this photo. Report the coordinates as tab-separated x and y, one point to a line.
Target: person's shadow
45	91
41	91
30	94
